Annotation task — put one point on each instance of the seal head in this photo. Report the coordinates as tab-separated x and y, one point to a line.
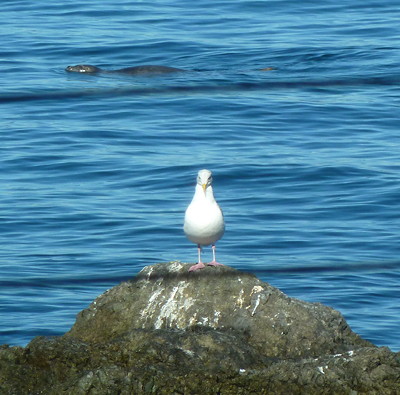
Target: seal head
84	68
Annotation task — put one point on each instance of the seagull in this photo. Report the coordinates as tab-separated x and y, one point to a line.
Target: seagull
204	221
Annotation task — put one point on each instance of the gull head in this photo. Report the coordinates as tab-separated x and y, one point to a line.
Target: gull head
204	179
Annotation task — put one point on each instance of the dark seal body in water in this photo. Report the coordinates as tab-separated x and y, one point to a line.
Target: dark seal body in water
136	70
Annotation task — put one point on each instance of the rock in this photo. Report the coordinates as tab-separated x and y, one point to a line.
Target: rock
214	331
168	297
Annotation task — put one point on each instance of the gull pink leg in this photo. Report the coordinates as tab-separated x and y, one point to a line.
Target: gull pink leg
199	265
214	262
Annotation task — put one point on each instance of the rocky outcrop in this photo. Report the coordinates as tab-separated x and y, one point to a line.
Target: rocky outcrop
214	331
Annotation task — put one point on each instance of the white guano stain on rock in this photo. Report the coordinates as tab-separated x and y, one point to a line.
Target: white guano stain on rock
146	271
203	321
175	267
193	320
217	315
240	299
212	322
170	311
256	305
257	289
149	310
149	273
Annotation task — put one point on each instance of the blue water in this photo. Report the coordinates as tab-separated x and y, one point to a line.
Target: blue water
96	171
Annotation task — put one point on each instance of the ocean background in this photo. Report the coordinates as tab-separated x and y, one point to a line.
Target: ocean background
97	171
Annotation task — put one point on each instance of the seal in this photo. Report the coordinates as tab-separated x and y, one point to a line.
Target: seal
136	70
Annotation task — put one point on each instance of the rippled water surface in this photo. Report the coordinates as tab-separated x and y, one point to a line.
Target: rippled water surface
98	170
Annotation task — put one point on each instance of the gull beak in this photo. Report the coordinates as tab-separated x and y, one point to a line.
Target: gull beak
204	188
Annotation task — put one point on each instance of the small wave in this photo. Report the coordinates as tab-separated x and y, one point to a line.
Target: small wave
201	89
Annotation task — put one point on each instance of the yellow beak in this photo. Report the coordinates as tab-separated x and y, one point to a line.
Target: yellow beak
204	187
